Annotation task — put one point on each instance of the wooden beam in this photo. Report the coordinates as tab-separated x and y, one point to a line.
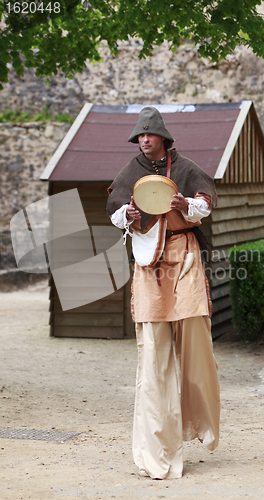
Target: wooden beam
226	176
245	107
238	237
220	291
220	279
253	154
118	295
221	253
236	164
249	161
66	141
245	163
221	316
248	188
255	199
257	157
261	152
91	319
86	189
215	265
103	332
232	168
220	304
233	201
241	212
99	306
237	225
222	328
240	162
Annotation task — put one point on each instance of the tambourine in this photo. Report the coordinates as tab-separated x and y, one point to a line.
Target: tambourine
153	194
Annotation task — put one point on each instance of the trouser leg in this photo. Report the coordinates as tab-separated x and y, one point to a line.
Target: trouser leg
200	392
157	434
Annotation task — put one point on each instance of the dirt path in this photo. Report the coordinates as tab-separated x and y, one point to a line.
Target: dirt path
87	386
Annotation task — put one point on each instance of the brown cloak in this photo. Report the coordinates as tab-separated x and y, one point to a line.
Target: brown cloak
185	173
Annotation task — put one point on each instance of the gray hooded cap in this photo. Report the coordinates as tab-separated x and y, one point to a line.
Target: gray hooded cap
150	121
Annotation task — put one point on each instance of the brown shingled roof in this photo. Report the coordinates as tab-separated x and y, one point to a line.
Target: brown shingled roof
100	149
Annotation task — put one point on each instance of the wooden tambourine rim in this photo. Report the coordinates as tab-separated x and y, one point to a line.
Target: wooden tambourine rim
158	179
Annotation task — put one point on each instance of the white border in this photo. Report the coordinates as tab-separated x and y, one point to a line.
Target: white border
244	109
162	108
66	141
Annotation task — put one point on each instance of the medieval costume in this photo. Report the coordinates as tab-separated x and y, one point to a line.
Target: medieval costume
164	309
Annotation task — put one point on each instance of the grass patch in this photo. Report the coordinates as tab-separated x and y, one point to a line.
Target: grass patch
44	116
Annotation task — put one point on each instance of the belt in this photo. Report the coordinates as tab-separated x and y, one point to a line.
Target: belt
170	233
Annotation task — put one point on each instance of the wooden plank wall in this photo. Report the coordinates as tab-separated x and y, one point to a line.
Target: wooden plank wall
239	215
237	219
246	162
108	317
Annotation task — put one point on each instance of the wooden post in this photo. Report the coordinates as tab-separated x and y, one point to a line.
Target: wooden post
245	153
253	152
227	174
231	167
261	177
257	158
240	144
236	164
249	149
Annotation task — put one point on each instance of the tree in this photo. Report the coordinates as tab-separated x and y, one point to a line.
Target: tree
63	34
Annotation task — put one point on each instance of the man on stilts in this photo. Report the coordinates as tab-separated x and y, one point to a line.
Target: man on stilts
167	309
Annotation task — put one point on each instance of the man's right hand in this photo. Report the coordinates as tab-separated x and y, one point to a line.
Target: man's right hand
132	212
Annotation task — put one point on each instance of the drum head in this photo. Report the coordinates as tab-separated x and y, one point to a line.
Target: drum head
153	194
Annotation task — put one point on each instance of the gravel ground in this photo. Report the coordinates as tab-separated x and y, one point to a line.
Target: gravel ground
86	386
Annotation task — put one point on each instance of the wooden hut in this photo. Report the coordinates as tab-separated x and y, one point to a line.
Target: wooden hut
225	139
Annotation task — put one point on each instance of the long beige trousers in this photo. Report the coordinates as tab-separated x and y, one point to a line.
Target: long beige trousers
162	417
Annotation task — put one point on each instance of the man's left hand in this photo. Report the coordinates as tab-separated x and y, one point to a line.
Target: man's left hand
179	202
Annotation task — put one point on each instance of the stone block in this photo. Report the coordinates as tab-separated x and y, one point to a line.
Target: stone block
49	131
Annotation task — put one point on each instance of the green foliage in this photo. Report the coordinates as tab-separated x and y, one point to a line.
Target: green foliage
43	116
18	117
13	117
64	118
247	288
49	41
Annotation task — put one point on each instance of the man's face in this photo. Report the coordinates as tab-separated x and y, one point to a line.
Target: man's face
151	145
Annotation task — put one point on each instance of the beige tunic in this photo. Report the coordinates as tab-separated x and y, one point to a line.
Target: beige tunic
175	299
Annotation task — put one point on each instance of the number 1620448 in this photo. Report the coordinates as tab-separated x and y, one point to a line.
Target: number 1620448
32	7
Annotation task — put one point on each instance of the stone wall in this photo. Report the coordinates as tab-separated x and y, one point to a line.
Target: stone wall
179	77
24	152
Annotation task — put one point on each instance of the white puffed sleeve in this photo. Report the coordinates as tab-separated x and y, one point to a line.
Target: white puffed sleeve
197	209
119	220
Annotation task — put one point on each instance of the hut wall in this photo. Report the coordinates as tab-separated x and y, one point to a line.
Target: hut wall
108	317
246	163
237	219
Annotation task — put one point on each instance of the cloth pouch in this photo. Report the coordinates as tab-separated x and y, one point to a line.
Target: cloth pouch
148	247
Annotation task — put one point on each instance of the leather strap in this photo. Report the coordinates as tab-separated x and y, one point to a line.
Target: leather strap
159	261
163	217
170	233
169	164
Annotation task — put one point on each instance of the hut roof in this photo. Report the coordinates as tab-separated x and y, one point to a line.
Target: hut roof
96	148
